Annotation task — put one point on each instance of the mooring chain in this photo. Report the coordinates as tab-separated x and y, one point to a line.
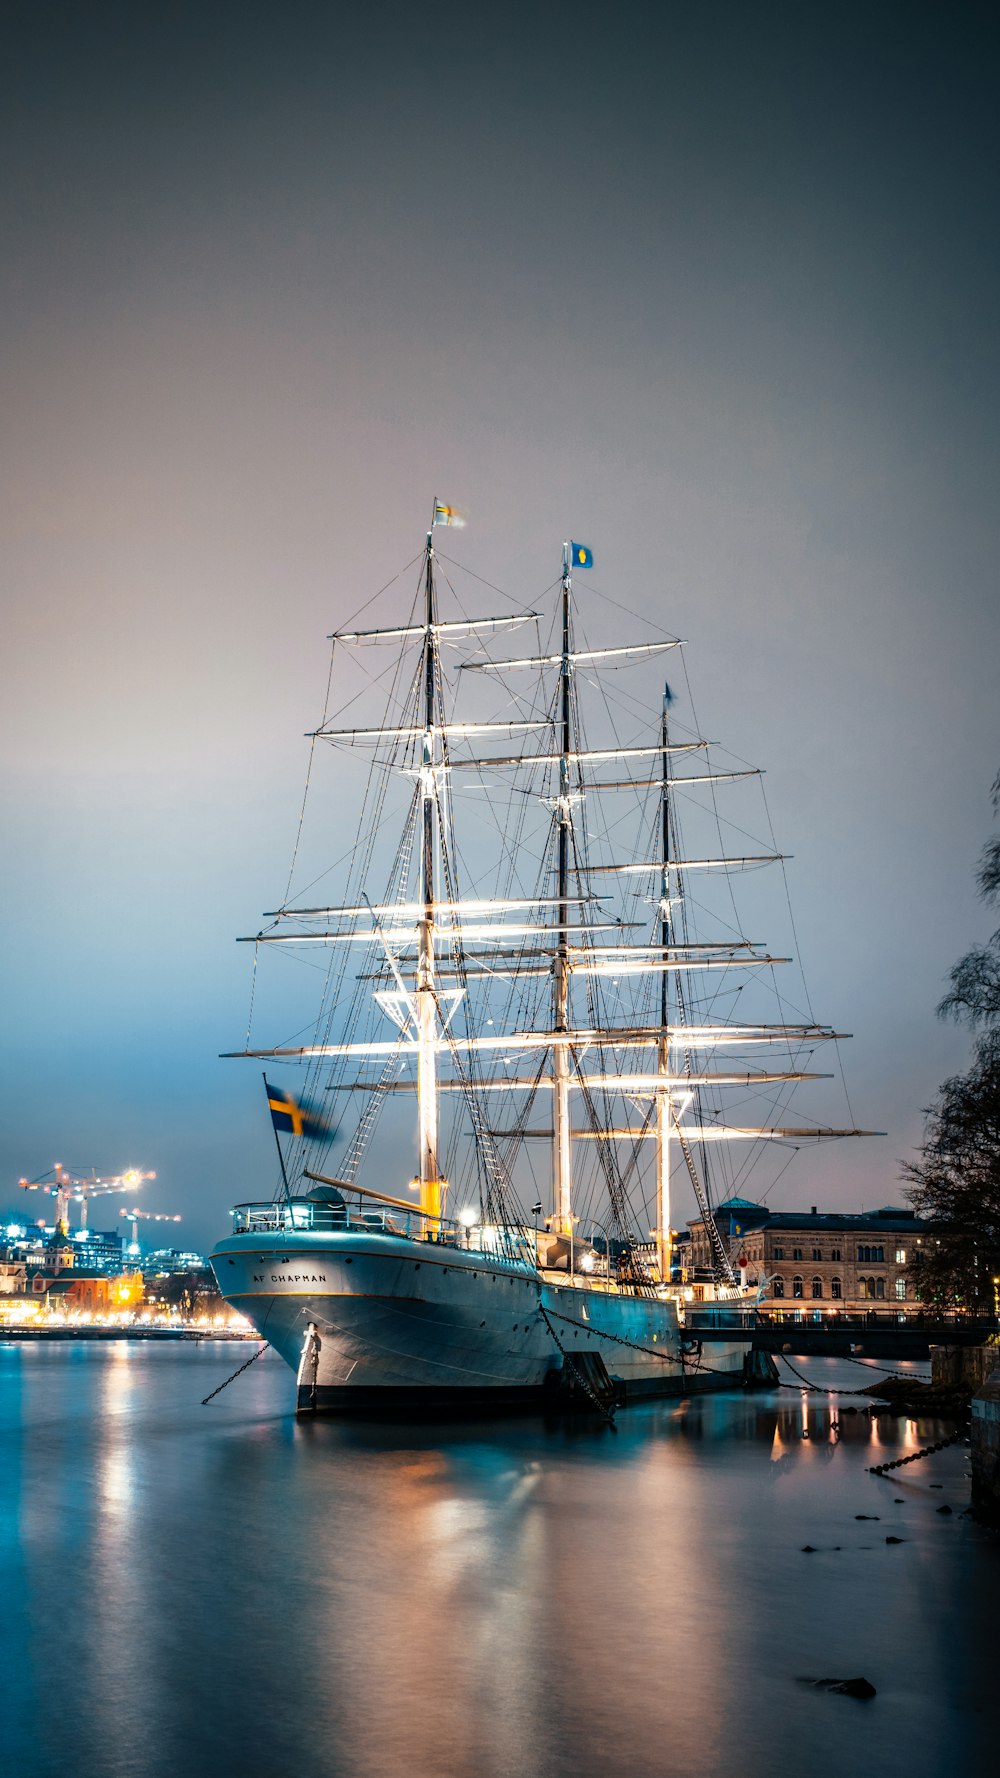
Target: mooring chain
820	1388
928	1451
243	1367
633	1346
570	1358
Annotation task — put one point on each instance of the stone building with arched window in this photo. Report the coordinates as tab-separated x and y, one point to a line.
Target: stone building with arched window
818	1262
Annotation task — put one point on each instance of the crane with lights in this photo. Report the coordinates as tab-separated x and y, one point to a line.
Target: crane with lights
60	1184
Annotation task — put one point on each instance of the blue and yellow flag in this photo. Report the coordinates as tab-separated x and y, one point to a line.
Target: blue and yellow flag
448	515
580	556
292	1118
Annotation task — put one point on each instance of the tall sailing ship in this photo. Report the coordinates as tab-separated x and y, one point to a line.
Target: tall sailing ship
552	998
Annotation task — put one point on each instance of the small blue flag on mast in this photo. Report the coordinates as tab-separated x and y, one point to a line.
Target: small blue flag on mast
581	556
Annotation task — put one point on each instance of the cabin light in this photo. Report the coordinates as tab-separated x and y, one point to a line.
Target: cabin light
414	1185
587	1263
467	1216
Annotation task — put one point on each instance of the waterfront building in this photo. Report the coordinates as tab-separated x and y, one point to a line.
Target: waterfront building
87	1289
100	1250
822	1262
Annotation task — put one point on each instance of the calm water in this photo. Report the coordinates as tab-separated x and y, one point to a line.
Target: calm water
201	1591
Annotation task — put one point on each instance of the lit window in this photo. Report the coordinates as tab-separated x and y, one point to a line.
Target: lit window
880	1288
835	1288
796	1286
900	1256
901	1289
817	1287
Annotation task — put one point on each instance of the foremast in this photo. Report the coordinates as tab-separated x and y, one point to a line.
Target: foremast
432	1186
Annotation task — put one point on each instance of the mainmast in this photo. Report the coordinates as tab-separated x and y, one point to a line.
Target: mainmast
663	1106
562	1165
431	1185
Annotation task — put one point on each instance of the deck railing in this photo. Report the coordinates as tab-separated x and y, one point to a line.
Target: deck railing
506	1246
276	1218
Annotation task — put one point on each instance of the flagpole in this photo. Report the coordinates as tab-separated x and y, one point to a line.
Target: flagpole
277	1144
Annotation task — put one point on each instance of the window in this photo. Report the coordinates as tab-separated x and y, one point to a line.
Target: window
864	1253
866	1288
900	1256
835	1288
796	1286
817	1287
778	1287
901	1290
878	1255
816	1253
880	1288
779	1253
835	1254
796	1253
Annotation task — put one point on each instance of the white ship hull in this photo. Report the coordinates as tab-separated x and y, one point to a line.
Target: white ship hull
379	1321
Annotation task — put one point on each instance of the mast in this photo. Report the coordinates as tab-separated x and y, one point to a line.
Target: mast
431	1185
562	1174
663	1106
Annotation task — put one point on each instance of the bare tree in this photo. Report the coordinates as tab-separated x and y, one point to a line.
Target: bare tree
955	1183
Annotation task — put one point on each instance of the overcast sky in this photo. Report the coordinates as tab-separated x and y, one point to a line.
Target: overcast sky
712	287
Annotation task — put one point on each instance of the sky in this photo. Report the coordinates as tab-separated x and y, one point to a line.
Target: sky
714	288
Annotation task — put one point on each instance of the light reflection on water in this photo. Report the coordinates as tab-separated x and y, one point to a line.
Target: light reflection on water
211	1590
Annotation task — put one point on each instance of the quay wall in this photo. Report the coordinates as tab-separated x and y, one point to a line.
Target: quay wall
956	1367
984	1442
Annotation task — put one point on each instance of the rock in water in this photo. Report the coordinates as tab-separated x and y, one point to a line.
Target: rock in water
895	1540
944	1509
808	1549
848	1688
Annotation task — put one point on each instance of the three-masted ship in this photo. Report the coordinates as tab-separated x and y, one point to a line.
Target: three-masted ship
566	1007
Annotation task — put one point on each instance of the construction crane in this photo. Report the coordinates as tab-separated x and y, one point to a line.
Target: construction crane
59	1184
137	1216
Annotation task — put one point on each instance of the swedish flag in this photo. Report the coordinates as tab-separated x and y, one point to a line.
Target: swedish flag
580	556
290	1117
